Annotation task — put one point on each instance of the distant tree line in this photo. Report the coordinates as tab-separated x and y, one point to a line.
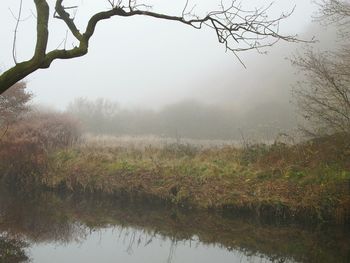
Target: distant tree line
189	119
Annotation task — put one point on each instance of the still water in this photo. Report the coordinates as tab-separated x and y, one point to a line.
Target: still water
65	228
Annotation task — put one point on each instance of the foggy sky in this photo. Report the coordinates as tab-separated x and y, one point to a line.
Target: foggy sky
144	62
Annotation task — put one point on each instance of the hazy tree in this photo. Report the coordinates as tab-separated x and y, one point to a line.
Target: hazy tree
236	28
96	116
324	95
99	108
184	119
13	102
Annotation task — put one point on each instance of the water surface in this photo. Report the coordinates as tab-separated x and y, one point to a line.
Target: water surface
67	228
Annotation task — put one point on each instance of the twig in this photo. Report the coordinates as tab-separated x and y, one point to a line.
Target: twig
15	33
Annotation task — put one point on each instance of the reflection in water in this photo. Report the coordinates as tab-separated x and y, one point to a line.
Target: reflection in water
68	228
11	249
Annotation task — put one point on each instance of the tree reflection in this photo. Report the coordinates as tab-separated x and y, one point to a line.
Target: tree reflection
51	218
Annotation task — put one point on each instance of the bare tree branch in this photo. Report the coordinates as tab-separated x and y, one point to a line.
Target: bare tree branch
18	18
237	29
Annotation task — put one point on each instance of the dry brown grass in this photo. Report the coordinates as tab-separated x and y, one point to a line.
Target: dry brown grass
310	179
142	142
265	179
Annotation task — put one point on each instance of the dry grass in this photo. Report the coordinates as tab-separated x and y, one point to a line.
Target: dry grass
280	180
142	142
306	180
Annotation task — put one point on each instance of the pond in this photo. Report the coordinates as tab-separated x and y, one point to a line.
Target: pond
48	227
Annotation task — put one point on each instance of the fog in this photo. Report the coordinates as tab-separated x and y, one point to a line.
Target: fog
148	65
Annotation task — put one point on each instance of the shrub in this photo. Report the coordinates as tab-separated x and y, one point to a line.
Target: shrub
26	146
13	104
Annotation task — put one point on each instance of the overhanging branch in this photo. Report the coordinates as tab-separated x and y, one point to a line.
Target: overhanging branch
237	29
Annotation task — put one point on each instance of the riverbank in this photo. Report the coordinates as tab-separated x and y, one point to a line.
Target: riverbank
309	181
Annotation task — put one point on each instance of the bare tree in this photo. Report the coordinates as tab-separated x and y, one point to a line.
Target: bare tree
236	28
323	96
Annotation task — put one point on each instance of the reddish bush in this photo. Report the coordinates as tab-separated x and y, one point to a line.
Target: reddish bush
25	147
13	104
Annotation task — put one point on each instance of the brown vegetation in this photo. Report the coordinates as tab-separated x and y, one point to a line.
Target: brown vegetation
25	148
308	181
13	104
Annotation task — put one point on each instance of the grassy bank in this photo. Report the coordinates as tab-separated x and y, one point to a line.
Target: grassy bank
309	181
